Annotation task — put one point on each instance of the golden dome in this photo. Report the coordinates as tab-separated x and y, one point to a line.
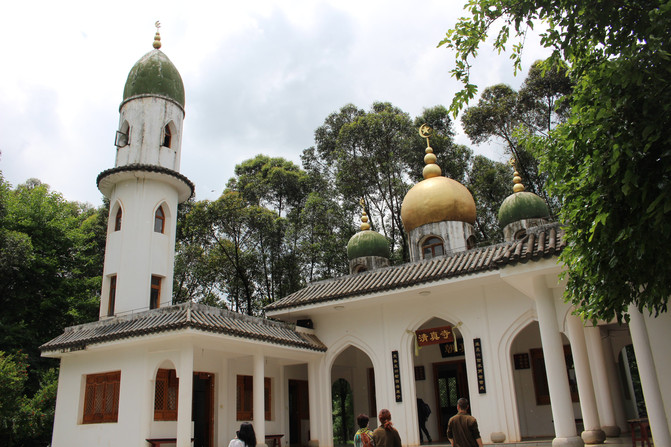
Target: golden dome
437	199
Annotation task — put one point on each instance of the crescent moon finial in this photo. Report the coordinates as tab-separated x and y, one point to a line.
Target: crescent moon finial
157	37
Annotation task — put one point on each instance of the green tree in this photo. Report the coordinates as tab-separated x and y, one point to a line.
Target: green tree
55	280
609	164
13	376
490	182
51	256
499	115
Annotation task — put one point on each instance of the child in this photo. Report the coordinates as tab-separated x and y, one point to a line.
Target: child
363	437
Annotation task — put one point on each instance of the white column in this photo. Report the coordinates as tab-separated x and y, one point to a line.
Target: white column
555	367
598	363
185	397
646	369
259	414
313	399
590	416
615	386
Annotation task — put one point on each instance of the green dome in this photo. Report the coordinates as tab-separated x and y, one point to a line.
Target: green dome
368	243
154	74
522	205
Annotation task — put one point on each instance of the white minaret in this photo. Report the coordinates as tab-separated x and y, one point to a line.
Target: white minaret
144	188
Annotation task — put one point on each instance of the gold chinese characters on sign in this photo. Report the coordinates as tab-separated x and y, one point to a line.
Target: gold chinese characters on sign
434	335
397	376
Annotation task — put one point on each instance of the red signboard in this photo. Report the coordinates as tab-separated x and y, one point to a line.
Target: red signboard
434	335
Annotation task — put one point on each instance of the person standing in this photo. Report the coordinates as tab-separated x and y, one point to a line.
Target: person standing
364	436
245	436
423	413
386	435
462	429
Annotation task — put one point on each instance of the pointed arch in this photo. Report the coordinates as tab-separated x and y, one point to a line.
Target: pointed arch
166	391
159	220
168	134
115	217
354	361
505	354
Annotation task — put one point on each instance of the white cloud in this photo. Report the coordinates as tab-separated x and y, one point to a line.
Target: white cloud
260	77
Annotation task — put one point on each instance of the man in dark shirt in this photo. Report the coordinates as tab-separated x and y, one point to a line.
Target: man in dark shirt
462	429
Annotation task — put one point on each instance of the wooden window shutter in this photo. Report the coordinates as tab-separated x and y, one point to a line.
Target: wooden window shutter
101	397
166	392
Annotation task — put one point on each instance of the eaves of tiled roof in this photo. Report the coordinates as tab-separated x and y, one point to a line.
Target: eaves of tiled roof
540	242
183	316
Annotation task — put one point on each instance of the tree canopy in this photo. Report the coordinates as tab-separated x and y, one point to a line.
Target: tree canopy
51	254
609	165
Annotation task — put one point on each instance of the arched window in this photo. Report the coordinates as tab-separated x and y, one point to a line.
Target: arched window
117	220
432	247
159	220
360	269
167	136
166	391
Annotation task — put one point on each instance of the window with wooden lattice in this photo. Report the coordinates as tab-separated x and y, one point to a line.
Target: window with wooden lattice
245	398
165	395
101	398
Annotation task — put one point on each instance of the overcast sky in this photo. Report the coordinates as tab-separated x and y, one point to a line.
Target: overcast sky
260	77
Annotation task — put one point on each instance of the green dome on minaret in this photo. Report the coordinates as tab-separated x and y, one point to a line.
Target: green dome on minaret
155	74
367	242
522	205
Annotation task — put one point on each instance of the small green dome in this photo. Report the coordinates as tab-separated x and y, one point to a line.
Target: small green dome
154	74
522	205
368	243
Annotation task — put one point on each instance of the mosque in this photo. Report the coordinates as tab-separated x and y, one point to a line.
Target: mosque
484	323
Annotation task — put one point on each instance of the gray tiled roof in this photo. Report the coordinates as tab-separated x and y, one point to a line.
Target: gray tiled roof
540	242
183	316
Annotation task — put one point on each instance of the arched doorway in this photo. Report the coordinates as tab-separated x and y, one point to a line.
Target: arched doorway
531	387
440	376
352	392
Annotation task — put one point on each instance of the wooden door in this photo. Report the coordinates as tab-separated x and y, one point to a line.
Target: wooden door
299	413
450	384
202	413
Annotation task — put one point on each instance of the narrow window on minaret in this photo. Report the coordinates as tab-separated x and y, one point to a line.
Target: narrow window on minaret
155	294
159	220
117	220
167	136
112	296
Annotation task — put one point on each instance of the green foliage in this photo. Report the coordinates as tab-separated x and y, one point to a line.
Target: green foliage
609	163
25	421
242	250
510	116
343	412
490	183
51	256
13	376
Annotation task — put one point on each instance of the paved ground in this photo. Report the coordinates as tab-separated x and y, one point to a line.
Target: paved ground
624	440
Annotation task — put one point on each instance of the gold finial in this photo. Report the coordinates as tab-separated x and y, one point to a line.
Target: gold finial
431	169
157	36
517	180
364	217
